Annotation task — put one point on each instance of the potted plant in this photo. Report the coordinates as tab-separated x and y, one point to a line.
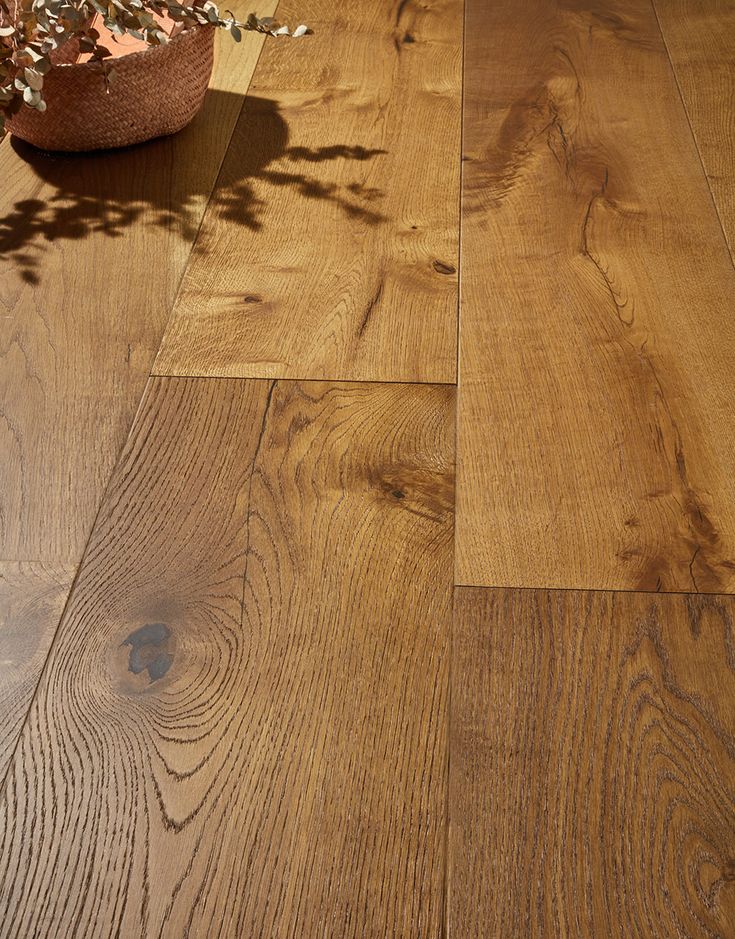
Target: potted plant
64	84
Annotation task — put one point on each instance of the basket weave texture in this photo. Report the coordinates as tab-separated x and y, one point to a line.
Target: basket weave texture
155	92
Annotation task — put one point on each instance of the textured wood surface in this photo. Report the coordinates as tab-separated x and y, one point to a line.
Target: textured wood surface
241	730
700	39
596	440
592	765
92	249
333	251
32	597
242	725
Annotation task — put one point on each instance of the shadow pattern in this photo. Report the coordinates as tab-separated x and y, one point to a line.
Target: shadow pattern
110	191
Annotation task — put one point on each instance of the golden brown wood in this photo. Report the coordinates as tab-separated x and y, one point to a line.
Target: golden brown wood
278	765
596	432
339	259
32	597
592	765
700	39
93	249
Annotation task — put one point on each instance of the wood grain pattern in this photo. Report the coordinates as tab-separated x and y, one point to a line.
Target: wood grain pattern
700	39
32	597
592	765
596	438
92	249
241	730
340	260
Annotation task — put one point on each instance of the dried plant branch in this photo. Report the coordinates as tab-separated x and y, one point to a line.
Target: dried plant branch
32	31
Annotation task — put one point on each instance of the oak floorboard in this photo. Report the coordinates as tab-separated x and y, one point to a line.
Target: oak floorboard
92	249
343	263
592	782
596	434
700	39
242	726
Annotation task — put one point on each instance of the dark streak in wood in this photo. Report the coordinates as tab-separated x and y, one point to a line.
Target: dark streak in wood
441	267
372	305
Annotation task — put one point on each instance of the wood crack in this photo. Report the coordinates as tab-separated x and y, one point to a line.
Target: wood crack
620	305
369	310
691	568
400	10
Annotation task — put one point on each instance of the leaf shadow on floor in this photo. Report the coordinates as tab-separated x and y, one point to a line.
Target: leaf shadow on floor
155	184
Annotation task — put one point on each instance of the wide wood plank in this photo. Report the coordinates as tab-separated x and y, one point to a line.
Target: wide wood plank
700	39
592	765
92	249
596	433
32	597
241	730
332	251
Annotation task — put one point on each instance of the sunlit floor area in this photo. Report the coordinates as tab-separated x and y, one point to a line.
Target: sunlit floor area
367	489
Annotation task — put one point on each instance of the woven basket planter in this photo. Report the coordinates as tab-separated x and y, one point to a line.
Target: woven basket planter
155	92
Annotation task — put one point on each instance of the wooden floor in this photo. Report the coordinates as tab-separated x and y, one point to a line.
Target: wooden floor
367	489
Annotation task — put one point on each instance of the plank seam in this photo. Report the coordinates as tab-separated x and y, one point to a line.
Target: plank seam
293	378
457	411
458	361
691	131
70	594
195	239
549	587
